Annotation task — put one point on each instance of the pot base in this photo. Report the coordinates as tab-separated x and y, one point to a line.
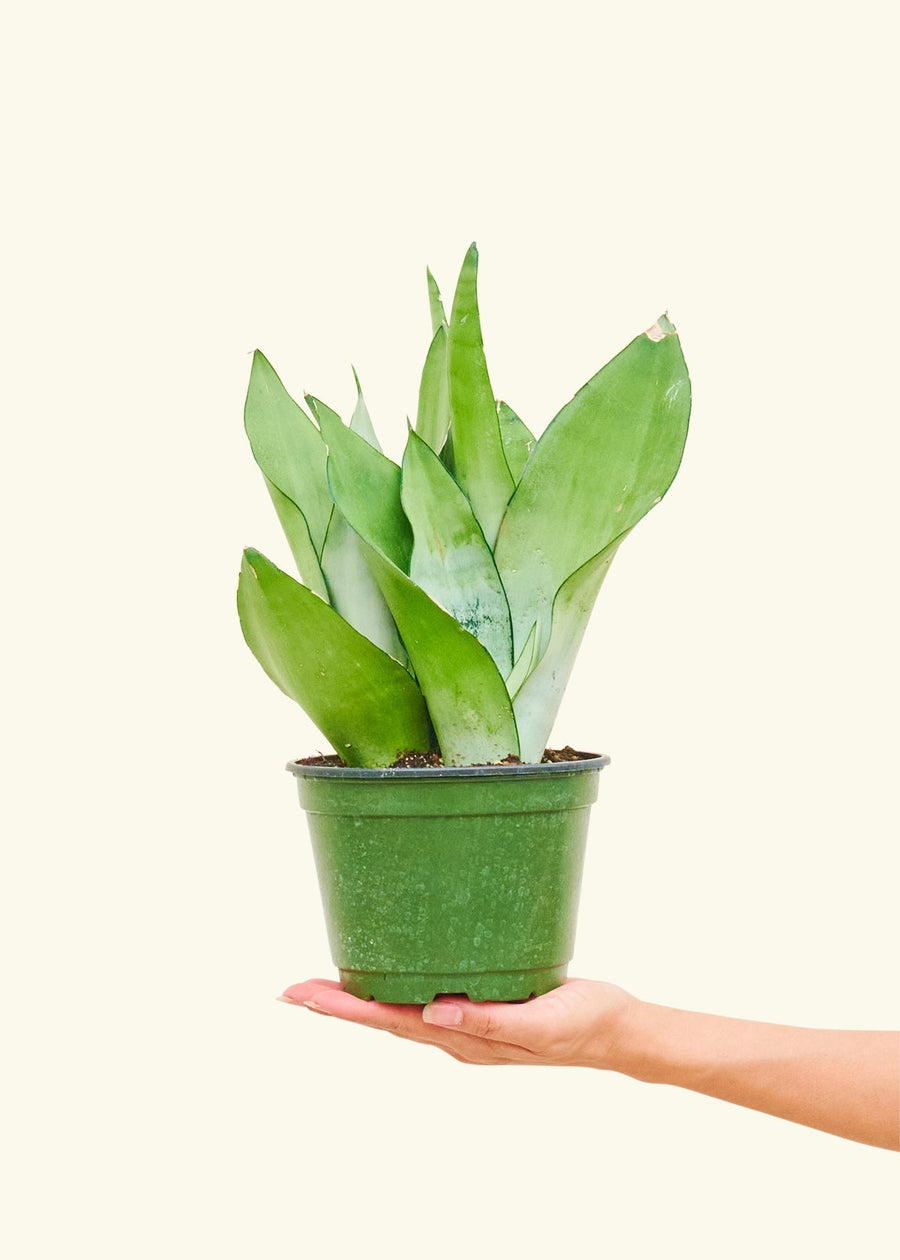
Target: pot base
403	988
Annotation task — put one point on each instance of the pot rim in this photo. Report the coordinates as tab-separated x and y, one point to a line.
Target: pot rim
533	769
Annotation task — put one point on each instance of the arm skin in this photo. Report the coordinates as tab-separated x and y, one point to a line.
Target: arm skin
846	1083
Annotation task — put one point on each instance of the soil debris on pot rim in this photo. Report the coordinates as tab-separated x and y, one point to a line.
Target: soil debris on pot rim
411	760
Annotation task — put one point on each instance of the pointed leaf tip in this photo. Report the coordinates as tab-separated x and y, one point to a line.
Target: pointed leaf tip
480	465
662	328
361	699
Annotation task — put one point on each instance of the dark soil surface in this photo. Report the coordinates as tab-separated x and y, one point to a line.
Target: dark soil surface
418	760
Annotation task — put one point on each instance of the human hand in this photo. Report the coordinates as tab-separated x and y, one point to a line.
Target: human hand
578	1024
844	1082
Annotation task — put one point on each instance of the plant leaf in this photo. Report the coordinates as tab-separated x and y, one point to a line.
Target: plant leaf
478	457
538	699
525	664
362	701
434	301
361	421
293	522
571	502
433	415
369	484
518	440
288	448
467	699
354	593
318	408
451	561
447	456
352	590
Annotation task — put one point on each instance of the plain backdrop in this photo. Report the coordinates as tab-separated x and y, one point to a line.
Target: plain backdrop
188	181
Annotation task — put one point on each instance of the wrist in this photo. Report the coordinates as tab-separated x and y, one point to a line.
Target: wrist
644	1045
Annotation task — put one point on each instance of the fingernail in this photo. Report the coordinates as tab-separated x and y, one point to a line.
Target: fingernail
320	1010
283	997
444	1014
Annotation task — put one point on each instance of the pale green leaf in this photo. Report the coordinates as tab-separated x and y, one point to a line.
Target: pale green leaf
434	301
293	522
528	658
433	415
467	699
352	589
478	457
318	408
466	696
288	447
539	696
362	701
361	421
602	463
354	593
518	440
369	484
451	561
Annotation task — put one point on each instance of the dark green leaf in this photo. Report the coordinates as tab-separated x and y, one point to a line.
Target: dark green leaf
467	699
369	484
362	701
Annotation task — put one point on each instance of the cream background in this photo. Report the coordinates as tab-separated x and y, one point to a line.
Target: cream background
189	181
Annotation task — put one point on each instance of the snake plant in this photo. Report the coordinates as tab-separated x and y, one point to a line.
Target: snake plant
442	601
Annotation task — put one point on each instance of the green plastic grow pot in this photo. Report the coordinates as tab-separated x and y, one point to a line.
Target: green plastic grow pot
450	880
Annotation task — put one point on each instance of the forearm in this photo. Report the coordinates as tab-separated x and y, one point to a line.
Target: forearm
847	1083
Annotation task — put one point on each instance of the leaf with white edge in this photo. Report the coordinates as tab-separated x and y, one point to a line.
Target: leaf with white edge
450	561
361	700
433	415
354	593
293	522
361	421
288	447
480	464
572	502
368	483
434	301
537	702
467	699
518	440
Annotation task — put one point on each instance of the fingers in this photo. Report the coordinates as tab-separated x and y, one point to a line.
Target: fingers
326	997
578	1024
445	1021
